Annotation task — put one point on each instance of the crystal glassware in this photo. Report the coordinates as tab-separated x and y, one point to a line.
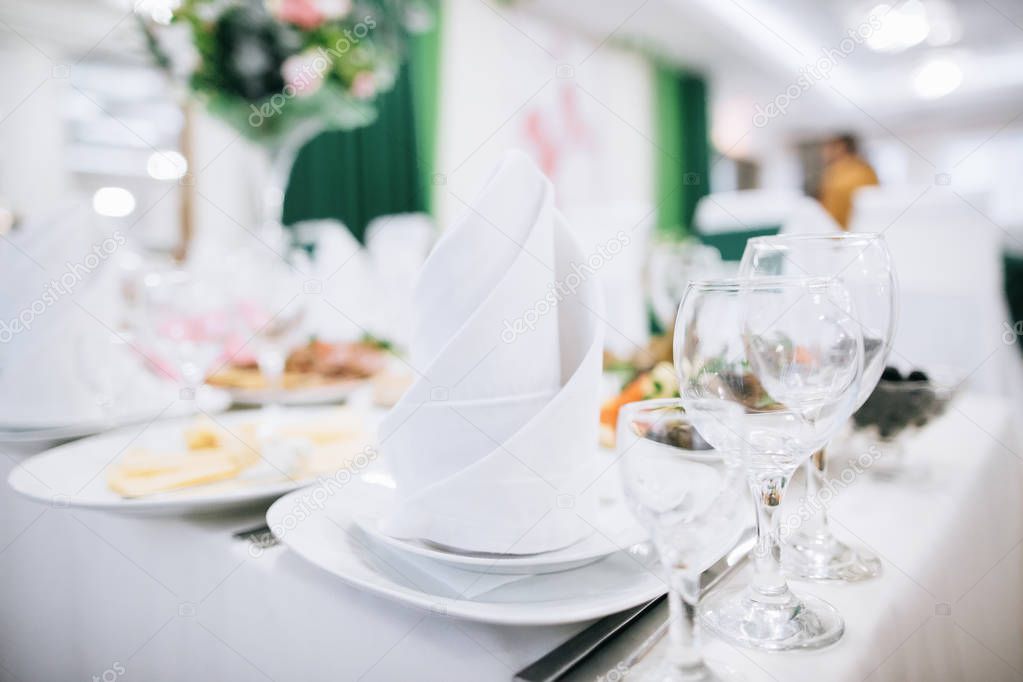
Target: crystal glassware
863	264
692	500
109	369
188	320
670	267
770	367
271	310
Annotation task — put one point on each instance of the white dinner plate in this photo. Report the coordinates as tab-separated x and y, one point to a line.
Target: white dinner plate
74	475
334	392
322	526
212	401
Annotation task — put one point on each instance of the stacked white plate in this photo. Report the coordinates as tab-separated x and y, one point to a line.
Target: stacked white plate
335	527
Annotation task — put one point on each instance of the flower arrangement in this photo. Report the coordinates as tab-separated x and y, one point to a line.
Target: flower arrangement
269	67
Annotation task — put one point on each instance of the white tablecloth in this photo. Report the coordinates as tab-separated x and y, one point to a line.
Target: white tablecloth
87	594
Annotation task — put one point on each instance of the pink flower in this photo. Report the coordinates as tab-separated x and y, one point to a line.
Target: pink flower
309	14
304	72
363	85
303	13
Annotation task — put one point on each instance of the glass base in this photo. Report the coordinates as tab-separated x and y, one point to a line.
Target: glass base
826	559
790	622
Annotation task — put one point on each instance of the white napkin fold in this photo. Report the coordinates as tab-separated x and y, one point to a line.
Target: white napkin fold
507	342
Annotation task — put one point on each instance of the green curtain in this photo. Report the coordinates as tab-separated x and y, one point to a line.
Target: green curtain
732	244
683	160
424	73
1012	272
386	167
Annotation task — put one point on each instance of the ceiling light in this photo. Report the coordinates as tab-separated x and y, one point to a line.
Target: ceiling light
115	202
937	78
900	27
166	164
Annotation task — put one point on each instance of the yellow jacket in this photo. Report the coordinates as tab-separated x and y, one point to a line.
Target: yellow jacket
841	178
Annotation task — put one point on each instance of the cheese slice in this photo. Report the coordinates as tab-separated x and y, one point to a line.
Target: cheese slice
143	473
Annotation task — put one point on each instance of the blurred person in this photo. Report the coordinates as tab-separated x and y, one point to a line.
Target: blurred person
845	171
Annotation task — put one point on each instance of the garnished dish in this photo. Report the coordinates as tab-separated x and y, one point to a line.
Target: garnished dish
658	382
318	363
210	453
661	381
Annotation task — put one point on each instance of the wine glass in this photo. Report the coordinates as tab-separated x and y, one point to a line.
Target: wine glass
670	267
692	500
109	368
271	309
864	266
770	366
188	319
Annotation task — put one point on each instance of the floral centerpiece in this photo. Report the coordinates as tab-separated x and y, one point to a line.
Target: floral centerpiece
282	71
270	68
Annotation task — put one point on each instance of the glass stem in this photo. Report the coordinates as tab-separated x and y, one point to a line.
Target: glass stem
768	582
683	627
816	524
271	363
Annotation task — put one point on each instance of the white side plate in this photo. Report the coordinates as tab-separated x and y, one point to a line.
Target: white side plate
74	475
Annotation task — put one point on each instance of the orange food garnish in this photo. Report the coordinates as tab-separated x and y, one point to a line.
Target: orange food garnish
634	391
804	356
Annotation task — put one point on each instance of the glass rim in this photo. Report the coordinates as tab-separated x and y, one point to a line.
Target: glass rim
768	282
821	237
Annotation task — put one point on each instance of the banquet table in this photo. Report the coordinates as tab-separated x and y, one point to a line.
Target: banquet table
94	595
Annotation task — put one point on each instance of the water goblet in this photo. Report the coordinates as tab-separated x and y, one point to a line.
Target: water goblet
768	366
863	264
692	500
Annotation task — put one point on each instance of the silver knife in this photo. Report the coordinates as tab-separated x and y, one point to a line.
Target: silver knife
555	664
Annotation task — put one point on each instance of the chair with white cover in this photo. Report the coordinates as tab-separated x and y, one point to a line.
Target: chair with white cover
341	268
727	219
947	256
614	237
397	246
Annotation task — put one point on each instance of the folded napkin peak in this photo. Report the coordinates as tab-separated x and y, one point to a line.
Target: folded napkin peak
504	413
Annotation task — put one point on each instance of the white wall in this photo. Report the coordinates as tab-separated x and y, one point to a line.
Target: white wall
32	175
502	71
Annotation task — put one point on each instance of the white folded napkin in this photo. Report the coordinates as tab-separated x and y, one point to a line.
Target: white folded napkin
507	342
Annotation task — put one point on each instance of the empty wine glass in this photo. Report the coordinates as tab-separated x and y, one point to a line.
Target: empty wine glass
770	366
864	266
271	310
692	499
188	319
109	369
670	267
